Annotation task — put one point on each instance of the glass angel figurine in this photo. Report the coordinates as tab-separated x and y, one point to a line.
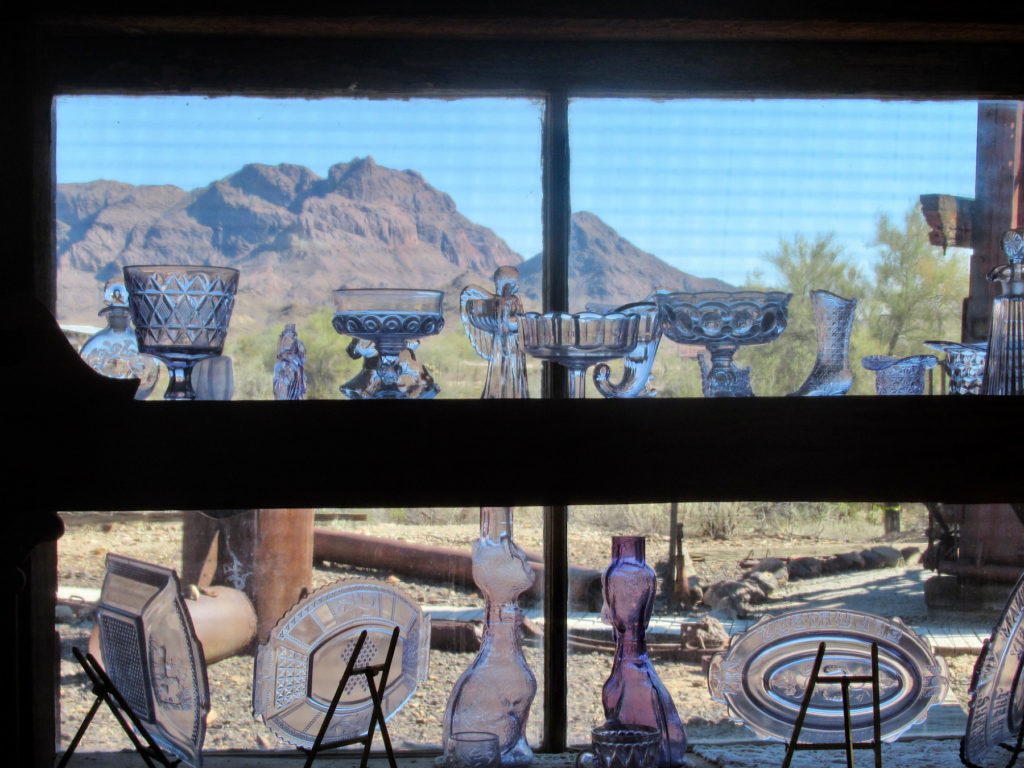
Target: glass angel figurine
491	321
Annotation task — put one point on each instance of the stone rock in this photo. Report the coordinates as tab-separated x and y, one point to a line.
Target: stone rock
731	599
890	555
851	561
831	565
804	568
765	581
872	559
910	553
706	633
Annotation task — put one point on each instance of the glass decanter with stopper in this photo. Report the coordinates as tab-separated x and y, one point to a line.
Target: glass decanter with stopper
1004	366
495	693
633	693
114	351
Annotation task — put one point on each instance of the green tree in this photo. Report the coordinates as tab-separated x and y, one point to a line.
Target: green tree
918	289
802	265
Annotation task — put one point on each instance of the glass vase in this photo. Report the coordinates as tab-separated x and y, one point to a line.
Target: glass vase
495	693
633	693
833	321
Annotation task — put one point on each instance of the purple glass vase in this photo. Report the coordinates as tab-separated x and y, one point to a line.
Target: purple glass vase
633	693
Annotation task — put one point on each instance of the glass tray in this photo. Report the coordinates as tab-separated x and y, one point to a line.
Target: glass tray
763	675
298	669
151	653
997	698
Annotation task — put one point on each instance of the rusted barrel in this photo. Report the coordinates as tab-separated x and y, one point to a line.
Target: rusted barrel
224	620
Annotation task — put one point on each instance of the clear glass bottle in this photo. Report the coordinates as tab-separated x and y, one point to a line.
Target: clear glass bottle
495	693
633	693
114	351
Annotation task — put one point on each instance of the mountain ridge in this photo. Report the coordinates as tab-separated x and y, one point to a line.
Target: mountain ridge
297	236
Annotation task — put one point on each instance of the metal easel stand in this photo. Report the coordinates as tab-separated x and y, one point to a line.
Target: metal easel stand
844	682
106	692
376	693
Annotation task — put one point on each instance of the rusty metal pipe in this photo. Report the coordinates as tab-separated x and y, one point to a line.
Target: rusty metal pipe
438	563
224	620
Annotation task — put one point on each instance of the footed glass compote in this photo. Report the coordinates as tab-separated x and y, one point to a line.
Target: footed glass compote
722	321
578	341
181	316
386	324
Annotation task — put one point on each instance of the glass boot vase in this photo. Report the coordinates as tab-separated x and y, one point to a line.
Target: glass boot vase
833	321
495	693
633	693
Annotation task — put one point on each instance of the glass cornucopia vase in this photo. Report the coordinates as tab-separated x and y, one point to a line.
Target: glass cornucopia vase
495	693
636	378
491	321
114	351
1004	368
833	322
633	693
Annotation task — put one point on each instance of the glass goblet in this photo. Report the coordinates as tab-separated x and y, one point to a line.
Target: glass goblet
181	316
472	749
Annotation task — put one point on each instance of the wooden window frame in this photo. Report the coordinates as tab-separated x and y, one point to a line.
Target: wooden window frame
816	449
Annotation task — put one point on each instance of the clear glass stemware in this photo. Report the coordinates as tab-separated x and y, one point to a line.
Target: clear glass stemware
578	341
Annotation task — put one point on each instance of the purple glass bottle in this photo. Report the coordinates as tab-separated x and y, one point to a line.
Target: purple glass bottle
634	694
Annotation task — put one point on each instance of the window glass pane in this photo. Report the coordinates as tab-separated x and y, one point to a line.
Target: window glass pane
781	195
426	554
303	197
747	560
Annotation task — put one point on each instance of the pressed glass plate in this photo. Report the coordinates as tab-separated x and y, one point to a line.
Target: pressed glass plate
298	669
764	674
152	654
997	697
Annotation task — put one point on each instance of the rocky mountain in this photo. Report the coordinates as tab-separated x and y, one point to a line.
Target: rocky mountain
605	268
295	236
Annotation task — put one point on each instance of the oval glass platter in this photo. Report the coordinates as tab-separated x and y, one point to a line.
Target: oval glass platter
997	697
763	675
151	653
298	669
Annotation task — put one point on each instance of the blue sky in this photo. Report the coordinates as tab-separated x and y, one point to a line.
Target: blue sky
708	186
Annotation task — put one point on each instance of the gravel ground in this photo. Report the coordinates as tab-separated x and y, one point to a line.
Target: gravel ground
231	725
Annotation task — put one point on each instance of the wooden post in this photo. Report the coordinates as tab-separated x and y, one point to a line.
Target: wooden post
670	572
997	198
891	517
266	553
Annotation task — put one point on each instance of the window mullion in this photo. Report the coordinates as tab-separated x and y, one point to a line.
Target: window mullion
555	289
